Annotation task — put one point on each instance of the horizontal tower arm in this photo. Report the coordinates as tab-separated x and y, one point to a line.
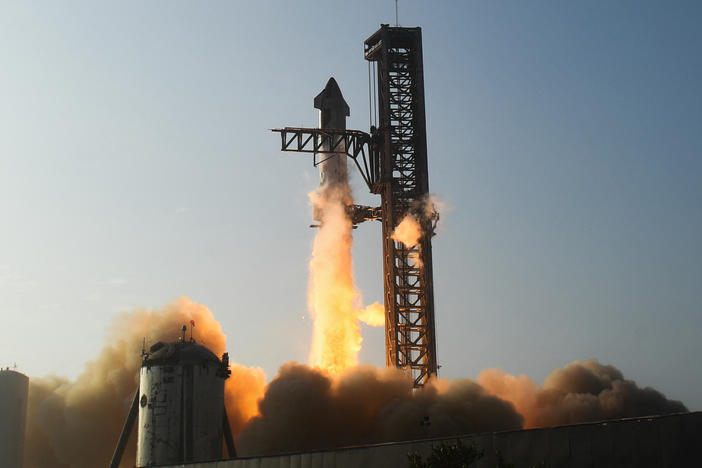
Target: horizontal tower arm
356	144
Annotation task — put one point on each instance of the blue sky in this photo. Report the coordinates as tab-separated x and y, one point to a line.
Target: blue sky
136	165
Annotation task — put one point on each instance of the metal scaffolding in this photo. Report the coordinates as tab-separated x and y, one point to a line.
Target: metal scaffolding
410	337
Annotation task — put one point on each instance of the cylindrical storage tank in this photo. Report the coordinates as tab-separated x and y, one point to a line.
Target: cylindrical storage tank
181	405
14	388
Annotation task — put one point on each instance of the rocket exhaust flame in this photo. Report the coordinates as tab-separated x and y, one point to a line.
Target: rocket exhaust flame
336	338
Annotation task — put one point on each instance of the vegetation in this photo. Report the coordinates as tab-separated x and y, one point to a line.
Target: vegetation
446	455
458	455
501	463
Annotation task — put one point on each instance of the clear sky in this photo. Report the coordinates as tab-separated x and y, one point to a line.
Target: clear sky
136	165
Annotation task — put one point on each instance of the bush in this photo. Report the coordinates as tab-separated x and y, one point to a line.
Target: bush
446	455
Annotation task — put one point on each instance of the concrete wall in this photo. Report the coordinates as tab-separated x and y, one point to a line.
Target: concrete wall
661	441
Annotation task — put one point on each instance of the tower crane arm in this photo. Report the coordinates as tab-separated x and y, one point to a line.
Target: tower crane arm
356	144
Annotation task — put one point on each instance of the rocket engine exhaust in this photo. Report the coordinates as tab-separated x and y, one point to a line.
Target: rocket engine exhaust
331	298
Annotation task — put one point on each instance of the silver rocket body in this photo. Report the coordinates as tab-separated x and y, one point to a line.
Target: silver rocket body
333	171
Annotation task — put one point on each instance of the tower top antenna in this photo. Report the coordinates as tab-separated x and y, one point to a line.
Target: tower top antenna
397	22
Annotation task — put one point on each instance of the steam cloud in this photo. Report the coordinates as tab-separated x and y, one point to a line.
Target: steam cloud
77	423
408	231
373	315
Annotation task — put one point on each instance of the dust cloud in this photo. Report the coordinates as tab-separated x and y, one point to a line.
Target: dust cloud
578	392
77	423
306	408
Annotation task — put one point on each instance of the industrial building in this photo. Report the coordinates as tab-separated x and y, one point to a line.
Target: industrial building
180	406
655	442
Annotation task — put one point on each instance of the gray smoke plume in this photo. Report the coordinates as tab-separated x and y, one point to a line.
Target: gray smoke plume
579	392
304	409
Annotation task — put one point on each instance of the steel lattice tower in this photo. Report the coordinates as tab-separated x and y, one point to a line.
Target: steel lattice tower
392	160
410	338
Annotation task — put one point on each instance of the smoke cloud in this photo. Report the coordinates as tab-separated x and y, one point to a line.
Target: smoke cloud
308	409
77	423
579	392
305	408
373	315
408	231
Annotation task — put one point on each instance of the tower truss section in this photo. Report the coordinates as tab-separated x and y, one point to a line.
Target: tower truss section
410	337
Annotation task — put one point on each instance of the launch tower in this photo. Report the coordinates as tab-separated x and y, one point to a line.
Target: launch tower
392	160
410	338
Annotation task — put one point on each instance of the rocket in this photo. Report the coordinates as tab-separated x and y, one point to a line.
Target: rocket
333	110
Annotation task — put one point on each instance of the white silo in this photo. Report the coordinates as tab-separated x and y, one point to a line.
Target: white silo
14	387
181	404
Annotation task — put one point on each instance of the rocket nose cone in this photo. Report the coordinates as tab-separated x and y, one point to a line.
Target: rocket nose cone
332	88
331	98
